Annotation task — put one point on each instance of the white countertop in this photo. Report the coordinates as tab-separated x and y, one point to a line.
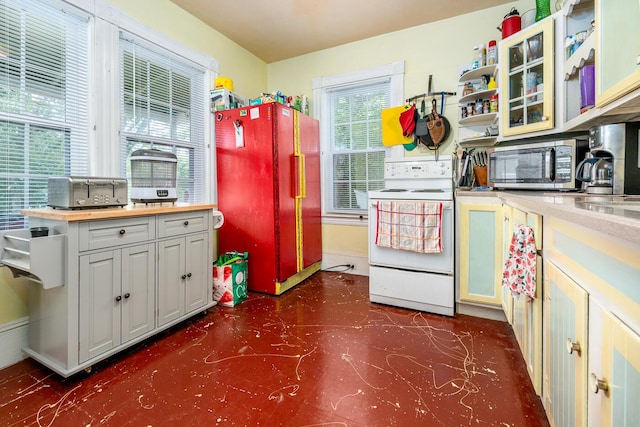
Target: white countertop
615	216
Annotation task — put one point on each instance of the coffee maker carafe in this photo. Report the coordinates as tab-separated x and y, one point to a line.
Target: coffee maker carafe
612	160
596	174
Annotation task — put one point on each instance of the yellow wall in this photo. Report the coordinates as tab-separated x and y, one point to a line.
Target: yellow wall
249	74
437	48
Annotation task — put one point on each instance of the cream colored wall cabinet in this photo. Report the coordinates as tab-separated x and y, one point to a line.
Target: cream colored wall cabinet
576	17
527	80
114	292
617	49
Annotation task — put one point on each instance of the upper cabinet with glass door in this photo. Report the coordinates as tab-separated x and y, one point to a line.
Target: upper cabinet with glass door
618	49
526	101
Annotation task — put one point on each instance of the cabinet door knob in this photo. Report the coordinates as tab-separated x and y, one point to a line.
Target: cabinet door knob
638	60
184	276
122	231
186	223
188	274
127	295
118	298
573	346
598	384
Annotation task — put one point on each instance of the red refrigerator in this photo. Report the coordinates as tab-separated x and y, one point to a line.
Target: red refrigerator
268	174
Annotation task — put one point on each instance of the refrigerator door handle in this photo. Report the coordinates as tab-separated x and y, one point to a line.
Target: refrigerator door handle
300	176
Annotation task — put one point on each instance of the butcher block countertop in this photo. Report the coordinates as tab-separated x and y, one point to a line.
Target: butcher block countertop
114	213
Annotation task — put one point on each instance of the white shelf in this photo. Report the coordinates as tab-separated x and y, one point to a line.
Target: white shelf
585	53
478	73
479	119
477	95
481	141
571	4
40	259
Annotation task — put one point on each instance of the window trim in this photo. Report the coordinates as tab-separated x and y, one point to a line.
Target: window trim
321	88
105	116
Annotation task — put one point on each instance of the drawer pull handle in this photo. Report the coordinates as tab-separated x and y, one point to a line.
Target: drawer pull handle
127	295
573	346
188	274
122	231
598	384
184	276
186	223
119	298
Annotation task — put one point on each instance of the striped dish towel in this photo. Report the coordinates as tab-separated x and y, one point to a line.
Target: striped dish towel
409	225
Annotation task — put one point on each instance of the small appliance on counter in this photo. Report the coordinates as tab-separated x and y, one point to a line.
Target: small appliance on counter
82	192
549	165
612	165
153	176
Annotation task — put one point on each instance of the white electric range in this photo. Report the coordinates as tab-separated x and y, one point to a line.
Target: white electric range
403	278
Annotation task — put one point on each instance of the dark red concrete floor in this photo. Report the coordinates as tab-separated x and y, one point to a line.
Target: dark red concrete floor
319	355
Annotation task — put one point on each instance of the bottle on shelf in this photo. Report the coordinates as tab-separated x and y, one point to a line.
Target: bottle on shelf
492	83
492	53
482	54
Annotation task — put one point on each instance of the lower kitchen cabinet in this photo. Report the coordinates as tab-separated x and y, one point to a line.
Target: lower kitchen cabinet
526	313
593	311
480	250
183	276
565	349
118	291
614	370
125	280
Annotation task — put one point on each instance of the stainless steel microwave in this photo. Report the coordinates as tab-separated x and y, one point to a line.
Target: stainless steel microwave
538	166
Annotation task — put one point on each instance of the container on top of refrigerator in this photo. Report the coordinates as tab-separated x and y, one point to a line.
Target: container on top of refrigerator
224	99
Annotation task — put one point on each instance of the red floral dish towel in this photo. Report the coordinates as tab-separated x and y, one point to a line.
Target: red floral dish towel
520	266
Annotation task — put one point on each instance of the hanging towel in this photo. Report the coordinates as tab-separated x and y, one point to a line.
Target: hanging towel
411	226
520	266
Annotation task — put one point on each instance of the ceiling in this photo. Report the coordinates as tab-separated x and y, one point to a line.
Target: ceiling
275	30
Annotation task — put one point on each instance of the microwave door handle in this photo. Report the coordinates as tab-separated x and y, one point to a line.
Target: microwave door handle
550	163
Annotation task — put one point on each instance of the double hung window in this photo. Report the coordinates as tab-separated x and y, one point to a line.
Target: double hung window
350	108
163	107
44	86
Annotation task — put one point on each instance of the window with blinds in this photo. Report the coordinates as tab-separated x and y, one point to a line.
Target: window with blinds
44	88
357	153
163	107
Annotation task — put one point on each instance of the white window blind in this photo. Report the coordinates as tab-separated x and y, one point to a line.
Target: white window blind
44	81
357	153
163	107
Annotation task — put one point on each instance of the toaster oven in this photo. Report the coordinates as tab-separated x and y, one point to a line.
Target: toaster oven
82	192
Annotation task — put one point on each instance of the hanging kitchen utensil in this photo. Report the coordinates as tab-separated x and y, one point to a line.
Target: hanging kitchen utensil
438	125
408	121
391	127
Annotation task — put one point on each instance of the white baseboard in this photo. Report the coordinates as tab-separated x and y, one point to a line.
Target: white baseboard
13	336
359	261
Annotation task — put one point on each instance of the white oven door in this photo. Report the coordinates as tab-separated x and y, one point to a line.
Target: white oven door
396	258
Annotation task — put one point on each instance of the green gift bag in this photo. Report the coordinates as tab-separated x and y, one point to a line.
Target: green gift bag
230	273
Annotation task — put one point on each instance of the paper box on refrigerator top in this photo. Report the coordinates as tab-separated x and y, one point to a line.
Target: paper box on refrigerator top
223	99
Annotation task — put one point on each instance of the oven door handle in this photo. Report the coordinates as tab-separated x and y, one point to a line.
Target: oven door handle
445	205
